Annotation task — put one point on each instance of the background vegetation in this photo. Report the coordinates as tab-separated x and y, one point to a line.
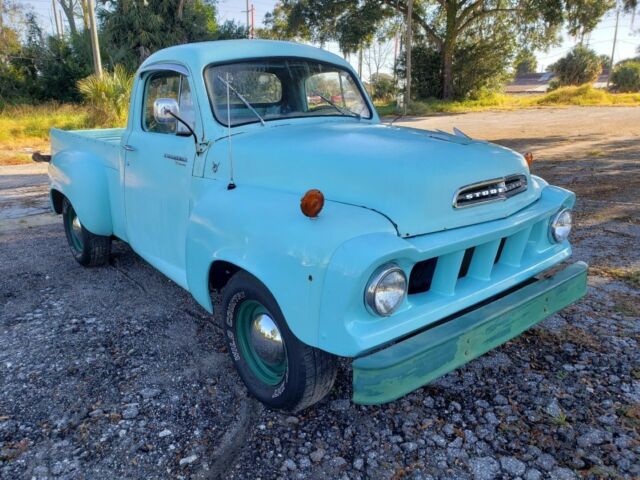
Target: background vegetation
36	67
462	47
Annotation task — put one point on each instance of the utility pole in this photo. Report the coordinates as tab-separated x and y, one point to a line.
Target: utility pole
252	31
615	39
95	46
408	51
247	11
56	18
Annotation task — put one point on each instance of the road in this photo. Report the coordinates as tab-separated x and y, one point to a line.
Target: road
116	372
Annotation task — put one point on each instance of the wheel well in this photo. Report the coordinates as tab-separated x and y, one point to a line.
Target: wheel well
220	273
56	200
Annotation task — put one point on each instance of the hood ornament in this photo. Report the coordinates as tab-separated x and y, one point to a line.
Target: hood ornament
459	133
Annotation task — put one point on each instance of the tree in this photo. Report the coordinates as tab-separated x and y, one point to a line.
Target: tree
377	55
231	30
480	65
443	24
581	65
626	76
382	86
584	15
17	73
525	62
134	29
70	9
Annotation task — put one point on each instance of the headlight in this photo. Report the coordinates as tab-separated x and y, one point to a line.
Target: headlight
560	225
386	290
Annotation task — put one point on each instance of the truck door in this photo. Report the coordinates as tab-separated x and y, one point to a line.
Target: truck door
158	164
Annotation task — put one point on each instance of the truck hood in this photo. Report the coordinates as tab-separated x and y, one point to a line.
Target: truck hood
410	176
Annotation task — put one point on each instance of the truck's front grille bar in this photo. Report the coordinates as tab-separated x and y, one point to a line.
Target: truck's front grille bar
477	264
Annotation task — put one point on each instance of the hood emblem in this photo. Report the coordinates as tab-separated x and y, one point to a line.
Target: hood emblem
489	191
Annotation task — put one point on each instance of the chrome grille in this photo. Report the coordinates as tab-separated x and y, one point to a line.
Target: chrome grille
490	191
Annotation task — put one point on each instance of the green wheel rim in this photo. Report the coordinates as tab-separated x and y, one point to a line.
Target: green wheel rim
74	228
270	373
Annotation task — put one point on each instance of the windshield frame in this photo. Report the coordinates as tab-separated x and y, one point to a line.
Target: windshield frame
347	70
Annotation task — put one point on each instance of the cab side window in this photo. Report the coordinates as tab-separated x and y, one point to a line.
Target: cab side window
167	84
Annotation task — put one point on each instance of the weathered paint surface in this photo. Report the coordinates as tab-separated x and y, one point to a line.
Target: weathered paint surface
410	364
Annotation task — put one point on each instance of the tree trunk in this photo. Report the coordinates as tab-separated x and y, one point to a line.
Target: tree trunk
85	14
407	97
448	48
67	8
447	70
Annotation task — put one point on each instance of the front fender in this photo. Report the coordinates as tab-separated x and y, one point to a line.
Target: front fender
81	178
264	232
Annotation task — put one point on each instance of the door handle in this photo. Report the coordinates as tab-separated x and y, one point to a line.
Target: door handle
129	148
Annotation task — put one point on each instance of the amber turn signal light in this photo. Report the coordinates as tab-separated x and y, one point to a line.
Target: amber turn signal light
311	203
529	158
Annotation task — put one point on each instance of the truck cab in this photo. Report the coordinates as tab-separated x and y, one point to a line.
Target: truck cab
262	170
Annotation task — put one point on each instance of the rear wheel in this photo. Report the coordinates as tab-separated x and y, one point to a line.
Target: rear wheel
87	248
277	368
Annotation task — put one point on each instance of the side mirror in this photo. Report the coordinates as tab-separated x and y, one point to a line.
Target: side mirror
163	108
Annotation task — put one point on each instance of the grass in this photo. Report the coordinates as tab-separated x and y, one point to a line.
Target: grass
25	128
584	95
561	420
631	276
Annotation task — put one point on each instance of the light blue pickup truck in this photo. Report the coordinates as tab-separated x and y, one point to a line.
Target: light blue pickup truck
261	169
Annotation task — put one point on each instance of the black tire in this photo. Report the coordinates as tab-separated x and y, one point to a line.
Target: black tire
309	373
88	249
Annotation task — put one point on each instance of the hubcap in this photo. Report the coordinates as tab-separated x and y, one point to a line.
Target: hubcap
266	340
260	342
75	230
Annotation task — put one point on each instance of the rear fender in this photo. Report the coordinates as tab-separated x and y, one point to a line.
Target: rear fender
82	179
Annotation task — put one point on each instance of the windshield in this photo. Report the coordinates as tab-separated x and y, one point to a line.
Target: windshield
278	88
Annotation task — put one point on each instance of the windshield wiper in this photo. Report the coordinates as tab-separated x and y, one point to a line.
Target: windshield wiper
242	99
343	110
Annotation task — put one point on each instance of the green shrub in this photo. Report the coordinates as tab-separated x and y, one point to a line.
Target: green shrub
108	96
626	77
382	87
581	65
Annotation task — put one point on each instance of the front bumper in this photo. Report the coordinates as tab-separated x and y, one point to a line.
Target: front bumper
409	364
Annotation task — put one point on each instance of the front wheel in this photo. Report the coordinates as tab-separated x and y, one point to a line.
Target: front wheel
277	368
87	248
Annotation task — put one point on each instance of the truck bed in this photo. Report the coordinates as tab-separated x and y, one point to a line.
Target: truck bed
103	143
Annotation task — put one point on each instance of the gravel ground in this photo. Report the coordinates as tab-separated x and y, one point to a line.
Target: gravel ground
116	372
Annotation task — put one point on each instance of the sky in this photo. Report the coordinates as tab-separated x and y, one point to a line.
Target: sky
601	39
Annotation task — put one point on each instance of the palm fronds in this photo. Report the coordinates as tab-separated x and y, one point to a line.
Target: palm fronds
108	96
